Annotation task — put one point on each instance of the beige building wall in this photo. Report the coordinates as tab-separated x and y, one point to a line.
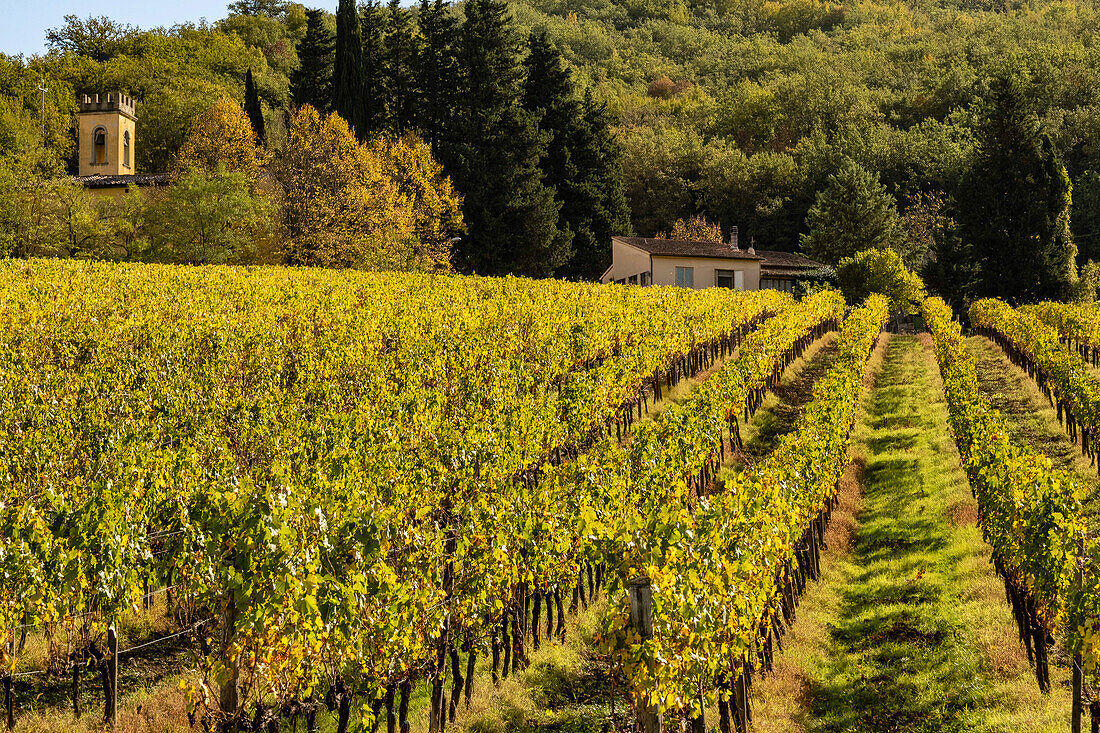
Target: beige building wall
116	124
105	193
704	269
626	260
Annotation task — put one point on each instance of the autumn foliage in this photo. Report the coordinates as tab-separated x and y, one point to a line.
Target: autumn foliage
695	228
222	137
350	204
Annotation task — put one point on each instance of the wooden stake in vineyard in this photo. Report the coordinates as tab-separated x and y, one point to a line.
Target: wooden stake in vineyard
9	701
112	676
641	618
1076	710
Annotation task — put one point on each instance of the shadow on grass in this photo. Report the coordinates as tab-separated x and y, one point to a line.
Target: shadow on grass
1031	419
900	661
786	402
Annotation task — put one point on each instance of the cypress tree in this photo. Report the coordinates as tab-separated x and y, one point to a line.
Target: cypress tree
437	79
511	215
399	56
252	107
311	82
548	93
372	23
583	162
600	207
347	93
1013	205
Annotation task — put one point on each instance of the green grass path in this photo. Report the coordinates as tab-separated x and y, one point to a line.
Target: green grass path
1031	419
908	629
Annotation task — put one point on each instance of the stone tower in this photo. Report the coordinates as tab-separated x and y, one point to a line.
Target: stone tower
106	128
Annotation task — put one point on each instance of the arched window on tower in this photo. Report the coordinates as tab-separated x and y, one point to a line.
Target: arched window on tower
126	148
99	146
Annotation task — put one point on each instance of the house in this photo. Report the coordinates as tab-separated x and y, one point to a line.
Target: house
105	146
696	264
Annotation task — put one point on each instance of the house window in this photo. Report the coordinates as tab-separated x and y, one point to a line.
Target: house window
99	146
633	279
685	277
772	283
733	279
126	148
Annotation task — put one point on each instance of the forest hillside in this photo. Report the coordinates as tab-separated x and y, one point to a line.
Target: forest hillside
741	108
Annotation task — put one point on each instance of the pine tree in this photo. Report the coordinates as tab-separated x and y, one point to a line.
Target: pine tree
855	212
252	107
582	162
311	82
1013	205
399	57
511	215
548	95
372	23
347	93
437	78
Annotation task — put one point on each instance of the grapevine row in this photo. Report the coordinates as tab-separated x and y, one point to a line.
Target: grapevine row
725	567
1055	343
1059	371
1078	325
1030	513
322	464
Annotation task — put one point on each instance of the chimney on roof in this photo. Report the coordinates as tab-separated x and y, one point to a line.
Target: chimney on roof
752	246
733	239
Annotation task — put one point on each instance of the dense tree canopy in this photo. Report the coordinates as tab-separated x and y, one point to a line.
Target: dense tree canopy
1013	205
96	38
311	82
733	109
580	162
512	215
764	100
207	217
853	213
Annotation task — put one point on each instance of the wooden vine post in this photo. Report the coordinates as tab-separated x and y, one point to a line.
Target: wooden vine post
641	619
112	676
1075	720
9	701
9	690
1075	715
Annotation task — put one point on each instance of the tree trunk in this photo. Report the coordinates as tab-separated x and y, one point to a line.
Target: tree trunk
471	660
403	711
456	683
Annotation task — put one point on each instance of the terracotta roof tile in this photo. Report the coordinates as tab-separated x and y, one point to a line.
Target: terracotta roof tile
772	262
686	248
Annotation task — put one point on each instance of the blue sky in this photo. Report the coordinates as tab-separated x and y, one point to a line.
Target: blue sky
23	23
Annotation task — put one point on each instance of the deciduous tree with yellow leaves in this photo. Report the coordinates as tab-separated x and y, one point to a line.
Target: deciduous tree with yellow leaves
382	205
436	206
695	228
221	139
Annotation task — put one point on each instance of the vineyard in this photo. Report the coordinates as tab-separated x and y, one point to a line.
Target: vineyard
355	500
